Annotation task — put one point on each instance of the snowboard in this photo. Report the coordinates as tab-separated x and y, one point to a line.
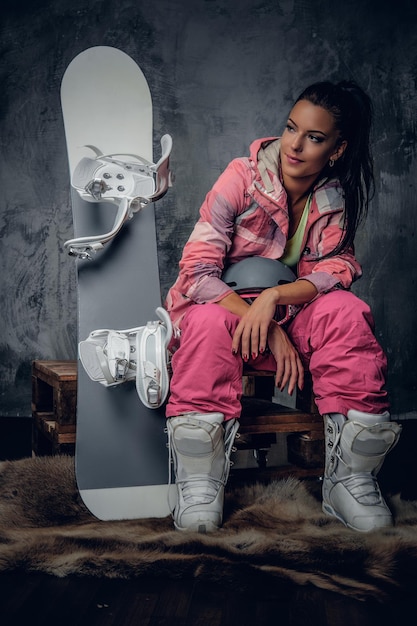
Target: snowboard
121	456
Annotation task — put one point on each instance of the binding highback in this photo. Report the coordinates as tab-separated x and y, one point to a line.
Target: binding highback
126	180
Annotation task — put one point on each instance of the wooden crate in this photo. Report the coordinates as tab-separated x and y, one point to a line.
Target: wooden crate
262	417
54	405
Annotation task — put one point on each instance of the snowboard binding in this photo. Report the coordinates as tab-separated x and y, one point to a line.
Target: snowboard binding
129	184
112	357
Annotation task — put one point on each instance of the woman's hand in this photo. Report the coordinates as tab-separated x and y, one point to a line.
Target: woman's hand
257	331
289	366
251	335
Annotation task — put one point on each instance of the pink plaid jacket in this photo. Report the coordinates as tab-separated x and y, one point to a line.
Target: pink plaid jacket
246	214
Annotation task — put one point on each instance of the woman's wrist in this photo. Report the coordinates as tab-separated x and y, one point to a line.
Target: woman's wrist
277	294
271	295
274	327
299	292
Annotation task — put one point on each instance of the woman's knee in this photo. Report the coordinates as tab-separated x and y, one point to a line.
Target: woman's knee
207	317
339	307
330	318
341	302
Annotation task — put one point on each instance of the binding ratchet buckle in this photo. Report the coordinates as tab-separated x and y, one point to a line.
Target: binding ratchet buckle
129	184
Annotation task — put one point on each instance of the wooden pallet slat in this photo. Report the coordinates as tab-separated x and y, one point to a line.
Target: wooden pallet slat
54	404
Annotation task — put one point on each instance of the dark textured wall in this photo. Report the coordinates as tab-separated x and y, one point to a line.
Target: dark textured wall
221	74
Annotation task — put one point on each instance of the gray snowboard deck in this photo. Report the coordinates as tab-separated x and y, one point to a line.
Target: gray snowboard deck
121	453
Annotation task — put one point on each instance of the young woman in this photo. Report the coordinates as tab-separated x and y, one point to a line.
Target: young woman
298	199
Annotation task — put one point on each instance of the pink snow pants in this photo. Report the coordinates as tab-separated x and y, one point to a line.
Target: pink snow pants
333	335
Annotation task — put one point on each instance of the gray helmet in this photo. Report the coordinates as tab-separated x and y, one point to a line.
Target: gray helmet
256	273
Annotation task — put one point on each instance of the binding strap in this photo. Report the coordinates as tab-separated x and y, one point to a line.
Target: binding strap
113	357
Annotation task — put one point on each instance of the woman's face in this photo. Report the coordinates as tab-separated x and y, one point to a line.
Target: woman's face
309	141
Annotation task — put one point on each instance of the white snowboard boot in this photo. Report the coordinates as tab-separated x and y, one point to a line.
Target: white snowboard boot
200	449
355	450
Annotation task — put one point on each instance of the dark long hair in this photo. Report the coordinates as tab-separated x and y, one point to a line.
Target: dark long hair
351	109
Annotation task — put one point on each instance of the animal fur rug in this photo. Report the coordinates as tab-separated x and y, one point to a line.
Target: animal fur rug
271	535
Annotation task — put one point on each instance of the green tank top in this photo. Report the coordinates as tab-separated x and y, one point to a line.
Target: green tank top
292	250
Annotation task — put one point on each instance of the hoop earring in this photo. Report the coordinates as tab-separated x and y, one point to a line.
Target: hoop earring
331	162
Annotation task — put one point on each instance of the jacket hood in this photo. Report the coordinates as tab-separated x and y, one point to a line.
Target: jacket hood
259	144
264	154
